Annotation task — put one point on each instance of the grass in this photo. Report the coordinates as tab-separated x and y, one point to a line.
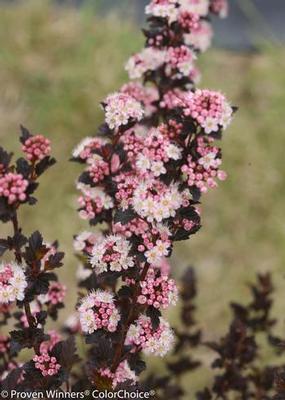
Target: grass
57	64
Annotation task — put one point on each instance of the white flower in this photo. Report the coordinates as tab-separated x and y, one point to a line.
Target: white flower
173	152
153	256
12	283
210	125
209	160
143	163
81	146
157	168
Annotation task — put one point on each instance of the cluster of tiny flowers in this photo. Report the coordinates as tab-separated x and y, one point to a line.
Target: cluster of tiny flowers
179	61
201	171
123	374
12	283
200	37
149	59
113	254
93	201
156	201
126	184
98	169
13	187
158	291
36	148
98	311
157	151
55	294
86	147
145	95
164	9
47	364
209	109
142	336
189	21
154	238
120	108
48	345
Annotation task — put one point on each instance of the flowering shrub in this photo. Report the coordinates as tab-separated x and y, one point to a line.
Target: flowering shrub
143	177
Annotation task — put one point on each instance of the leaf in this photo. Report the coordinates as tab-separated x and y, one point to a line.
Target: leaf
25	134
36	241
23	167
44	164
125	217
4	246
65	352
54	261
5	157
154	314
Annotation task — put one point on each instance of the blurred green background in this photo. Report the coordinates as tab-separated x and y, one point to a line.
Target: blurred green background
57	63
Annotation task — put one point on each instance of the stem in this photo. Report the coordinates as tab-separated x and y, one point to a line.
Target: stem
15	222
125	328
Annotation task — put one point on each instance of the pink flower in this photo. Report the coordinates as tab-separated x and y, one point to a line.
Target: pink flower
120	108
158	290
122	374
12	283
47	364
98	311
36	148
13	187
156	342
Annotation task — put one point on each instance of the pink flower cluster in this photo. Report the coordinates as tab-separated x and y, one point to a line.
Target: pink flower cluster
98	311
55	295
156	151
47	364
209	109
86	147
98	169
151	341
189	21
180	61
113	254
48	345
120	108
202	170
149	59
123	374
12	283
200	37
93	201
13	187
158	291
147	96
36	148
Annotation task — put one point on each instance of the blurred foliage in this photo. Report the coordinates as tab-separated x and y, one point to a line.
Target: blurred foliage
56	64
